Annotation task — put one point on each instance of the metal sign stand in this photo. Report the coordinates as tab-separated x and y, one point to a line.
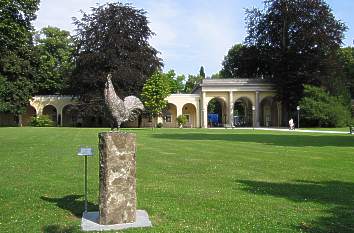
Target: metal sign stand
85	151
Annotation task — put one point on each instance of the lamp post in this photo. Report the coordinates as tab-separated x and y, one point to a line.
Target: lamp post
298	116
253	109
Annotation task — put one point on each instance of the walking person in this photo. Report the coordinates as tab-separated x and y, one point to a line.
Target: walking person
291	124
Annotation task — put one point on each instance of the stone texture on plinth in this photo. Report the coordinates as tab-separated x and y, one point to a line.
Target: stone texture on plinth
117	198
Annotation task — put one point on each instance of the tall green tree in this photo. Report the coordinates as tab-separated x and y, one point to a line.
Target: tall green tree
55	49
202	72
113	38
155	92
176	83
192	82
241	61
297	42
346	58
18	65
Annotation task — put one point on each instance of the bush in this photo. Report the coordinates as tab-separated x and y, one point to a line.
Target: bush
41	121
159	125
181	120
318	108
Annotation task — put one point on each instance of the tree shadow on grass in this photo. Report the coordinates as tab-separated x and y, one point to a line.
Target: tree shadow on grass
338	195
70	202
294	140
59	229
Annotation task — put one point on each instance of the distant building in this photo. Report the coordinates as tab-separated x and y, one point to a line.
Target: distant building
215	103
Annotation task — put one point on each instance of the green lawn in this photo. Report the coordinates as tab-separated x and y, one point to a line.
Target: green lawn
188	180
343	129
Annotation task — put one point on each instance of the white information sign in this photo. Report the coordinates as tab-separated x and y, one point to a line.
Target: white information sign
85	151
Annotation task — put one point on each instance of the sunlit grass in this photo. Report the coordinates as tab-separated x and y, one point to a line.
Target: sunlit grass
188	180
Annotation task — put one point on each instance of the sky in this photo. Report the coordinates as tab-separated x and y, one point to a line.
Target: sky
189	33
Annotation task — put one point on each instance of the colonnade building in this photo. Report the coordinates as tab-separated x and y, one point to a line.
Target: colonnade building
214	103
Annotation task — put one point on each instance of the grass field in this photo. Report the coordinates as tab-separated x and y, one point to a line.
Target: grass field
187	180
343	129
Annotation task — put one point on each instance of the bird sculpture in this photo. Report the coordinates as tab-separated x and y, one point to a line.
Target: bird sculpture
120	110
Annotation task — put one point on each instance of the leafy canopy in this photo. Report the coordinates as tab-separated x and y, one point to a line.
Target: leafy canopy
346	58
18	64
241	61
155	92
319	108
55	50
113	38
291	43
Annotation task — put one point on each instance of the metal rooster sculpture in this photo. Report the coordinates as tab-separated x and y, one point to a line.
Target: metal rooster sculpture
120	110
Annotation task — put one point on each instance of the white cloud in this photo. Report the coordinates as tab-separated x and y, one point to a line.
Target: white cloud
188	33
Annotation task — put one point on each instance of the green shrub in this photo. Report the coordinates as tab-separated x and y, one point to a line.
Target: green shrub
41	121
319	108
159	125
181	120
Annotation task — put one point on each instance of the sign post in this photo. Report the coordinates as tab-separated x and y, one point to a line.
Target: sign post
85	151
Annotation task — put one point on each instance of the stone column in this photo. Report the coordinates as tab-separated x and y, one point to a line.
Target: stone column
231	108
257	109
204	111
179	110
61	117
117	197
197	115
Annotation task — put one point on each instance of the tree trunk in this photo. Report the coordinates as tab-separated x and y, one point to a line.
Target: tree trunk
19	120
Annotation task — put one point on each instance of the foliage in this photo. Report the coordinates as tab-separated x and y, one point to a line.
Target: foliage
214	106
41	121
297	43
175	82
55	50
346	58
241	62
181	120
17	60
202	72
113	38
216	76
246	177
192	82
318	108
155	92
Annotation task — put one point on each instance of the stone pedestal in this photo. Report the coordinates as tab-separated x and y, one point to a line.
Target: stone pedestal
117	198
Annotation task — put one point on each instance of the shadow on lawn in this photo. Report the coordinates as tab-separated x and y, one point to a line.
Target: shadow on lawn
70	202
338	195
59	229
295	140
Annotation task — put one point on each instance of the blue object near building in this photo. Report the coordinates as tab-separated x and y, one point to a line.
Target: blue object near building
213	118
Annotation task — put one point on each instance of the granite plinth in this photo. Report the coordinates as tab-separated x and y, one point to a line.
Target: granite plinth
117	191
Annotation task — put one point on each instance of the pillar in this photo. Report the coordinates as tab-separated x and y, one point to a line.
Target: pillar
179	110
117	184
204	110
231	108
197	116
61	117
40	111
257	109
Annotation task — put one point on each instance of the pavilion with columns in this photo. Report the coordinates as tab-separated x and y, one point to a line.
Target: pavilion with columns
214	103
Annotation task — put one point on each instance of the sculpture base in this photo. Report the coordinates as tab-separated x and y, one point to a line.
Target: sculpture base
117	196
90	222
